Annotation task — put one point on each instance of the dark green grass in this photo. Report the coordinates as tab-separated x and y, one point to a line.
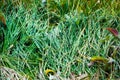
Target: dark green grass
36	41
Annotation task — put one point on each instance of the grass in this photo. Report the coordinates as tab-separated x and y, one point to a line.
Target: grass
59	37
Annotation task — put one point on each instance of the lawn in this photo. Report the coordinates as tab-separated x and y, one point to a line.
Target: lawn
59	40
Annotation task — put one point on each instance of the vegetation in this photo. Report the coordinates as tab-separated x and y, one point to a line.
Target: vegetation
59	39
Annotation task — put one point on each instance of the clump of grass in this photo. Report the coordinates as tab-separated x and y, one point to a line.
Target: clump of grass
54	37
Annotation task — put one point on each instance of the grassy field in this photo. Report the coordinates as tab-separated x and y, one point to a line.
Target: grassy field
58	40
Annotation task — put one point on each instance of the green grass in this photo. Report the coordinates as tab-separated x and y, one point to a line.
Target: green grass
59	37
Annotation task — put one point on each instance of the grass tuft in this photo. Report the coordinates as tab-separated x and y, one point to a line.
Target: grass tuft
60	36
